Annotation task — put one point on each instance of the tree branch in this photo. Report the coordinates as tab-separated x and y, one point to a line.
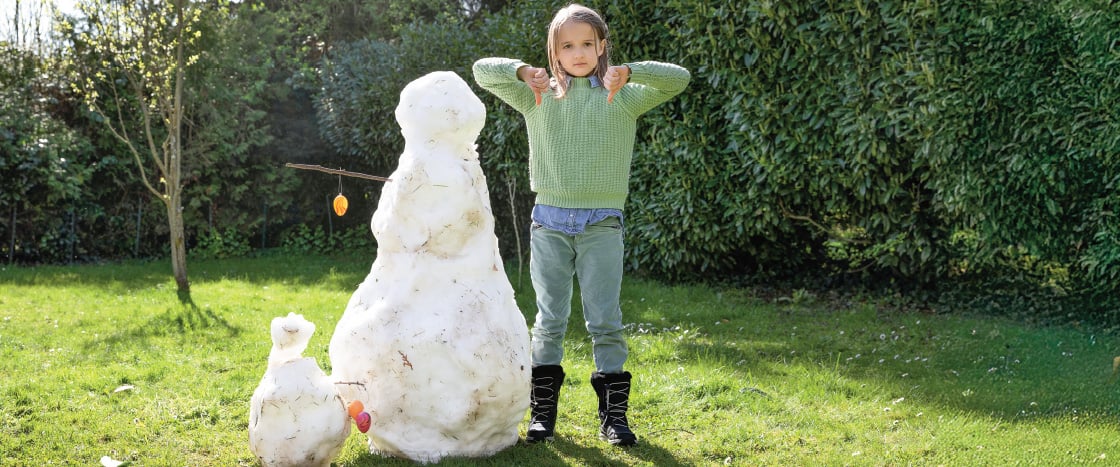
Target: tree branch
320	168
832	233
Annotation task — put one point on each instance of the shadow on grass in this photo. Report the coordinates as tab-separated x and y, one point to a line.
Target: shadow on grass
594	455
520	453
181	321
988	366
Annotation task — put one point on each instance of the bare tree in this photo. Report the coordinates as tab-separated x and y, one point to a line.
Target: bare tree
146	45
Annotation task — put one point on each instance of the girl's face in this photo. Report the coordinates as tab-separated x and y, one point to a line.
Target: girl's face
578	48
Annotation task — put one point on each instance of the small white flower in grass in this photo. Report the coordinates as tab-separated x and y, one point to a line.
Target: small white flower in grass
107	461
124	387
899	400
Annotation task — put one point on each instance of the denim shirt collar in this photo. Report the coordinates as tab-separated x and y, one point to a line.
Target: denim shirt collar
594	81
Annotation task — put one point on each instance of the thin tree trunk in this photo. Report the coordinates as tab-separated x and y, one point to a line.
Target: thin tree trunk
174	186
178	245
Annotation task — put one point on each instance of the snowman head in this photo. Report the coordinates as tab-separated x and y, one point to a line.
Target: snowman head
290	335
440	109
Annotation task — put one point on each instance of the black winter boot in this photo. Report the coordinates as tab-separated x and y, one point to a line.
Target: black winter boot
613	390
545	394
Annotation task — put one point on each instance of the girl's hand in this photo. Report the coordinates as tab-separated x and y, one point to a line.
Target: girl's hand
536	78
614	79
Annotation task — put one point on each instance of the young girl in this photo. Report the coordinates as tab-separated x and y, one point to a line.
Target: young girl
581	124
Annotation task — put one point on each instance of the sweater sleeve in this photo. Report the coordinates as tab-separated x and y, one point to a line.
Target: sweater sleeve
651	83
499	76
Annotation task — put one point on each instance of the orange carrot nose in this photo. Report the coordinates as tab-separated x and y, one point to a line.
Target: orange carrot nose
355	408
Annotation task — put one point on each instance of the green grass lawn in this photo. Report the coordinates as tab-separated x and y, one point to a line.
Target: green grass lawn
106	361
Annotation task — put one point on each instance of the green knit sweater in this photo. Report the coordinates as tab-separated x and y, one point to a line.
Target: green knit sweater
580	146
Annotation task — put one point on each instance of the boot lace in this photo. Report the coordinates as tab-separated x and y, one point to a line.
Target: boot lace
617	395
544	397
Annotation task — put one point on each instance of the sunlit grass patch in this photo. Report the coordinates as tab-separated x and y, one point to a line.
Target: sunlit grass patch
106	360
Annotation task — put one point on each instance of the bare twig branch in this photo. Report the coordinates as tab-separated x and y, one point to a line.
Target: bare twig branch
832	233
347	173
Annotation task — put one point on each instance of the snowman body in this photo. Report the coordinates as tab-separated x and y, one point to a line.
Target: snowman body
432	342
296	416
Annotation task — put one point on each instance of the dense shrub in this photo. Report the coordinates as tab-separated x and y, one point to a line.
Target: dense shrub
801	142
913	140
303	240
1030	136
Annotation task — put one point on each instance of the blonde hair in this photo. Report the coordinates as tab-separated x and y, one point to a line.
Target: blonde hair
580	14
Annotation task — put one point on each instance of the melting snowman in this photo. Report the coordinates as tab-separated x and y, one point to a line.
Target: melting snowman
432	343
296	417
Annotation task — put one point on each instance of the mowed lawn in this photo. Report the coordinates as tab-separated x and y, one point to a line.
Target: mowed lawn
106	360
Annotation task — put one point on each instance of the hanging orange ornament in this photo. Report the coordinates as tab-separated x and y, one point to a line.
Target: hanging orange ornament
340	201
340	204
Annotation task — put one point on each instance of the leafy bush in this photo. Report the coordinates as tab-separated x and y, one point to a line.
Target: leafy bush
1029	139
215	244
832	135
303	240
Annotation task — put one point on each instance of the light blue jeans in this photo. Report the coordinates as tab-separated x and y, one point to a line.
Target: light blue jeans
593	257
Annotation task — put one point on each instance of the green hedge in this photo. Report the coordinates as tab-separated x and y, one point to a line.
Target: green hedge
916	139
1031	133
